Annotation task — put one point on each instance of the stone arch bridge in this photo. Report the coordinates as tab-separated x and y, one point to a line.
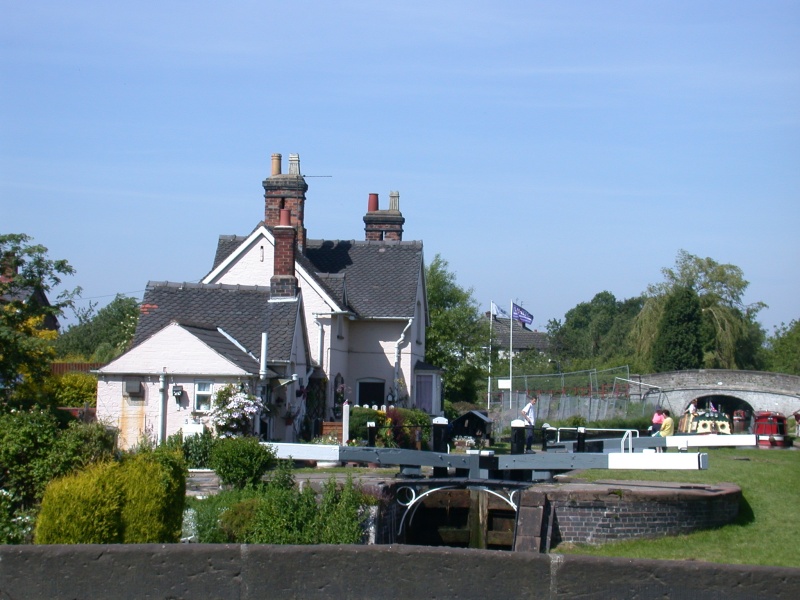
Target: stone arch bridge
728	390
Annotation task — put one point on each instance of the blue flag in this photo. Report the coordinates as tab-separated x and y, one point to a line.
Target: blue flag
521	315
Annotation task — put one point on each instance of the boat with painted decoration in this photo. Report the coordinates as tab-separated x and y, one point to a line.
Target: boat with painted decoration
770	429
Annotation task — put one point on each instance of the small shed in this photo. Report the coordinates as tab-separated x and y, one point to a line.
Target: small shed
476	424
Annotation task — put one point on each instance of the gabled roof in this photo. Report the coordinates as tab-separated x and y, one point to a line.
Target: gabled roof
226	245
27	295
374	279
524	338
222	345
380	277
242	312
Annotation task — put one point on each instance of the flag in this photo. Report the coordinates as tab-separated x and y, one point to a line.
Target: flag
499	312
520	314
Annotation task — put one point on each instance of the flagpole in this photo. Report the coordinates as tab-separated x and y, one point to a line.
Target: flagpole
511	352
489	384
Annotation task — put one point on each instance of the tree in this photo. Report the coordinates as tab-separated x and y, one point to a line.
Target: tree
101	336
783	353
27	315
595	333
457	335
677	345
731	337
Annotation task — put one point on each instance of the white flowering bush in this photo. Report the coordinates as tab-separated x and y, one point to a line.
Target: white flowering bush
233	412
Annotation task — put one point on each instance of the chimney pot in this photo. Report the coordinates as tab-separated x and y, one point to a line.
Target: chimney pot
394	201
286	217
276	164
294	164
372	203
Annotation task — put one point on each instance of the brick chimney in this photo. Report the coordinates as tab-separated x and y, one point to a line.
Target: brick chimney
384	224
286	192
283	283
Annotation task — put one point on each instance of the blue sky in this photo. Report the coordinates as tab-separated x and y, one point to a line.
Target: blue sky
547	150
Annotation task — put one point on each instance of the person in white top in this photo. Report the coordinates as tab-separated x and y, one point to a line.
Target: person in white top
529	414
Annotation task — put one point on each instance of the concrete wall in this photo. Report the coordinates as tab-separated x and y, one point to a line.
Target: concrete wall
409	572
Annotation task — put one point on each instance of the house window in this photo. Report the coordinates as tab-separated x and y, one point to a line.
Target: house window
425	393
202	396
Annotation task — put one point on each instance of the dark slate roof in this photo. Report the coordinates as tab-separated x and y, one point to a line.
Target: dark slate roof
371	278
473	413
380	277
524	338
212	338
423	366
243	312
226	246
27	295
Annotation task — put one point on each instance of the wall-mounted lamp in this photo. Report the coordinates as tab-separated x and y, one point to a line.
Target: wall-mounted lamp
177	392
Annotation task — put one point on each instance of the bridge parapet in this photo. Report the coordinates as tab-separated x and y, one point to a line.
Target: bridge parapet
760	381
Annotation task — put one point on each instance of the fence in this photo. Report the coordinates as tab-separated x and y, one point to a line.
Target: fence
592	394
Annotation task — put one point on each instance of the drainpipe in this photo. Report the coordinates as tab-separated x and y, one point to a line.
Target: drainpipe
397	358
321	340
262	370
162	407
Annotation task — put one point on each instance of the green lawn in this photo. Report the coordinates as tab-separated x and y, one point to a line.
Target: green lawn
767	531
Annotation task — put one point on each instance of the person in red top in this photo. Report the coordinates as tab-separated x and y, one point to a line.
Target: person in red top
658	419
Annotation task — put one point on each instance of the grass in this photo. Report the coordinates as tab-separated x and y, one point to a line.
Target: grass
765	533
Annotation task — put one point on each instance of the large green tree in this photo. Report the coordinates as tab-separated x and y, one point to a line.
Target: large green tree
27	278
783	353
678	345
595	333
730	335
457	336
103	335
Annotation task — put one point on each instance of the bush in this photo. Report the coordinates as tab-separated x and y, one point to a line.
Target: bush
341	514
359	417
16	524
279	513
75	389
139	500
413	420
154	486
285	516
236	522
197	450
83	508
80	445
26	441
209	513
240	462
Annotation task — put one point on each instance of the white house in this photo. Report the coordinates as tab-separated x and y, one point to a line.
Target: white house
365	301
355	330
194	339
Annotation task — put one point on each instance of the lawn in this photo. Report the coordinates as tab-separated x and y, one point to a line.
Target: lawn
767	531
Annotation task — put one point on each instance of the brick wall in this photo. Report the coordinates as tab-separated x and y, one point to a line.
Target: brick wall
598	513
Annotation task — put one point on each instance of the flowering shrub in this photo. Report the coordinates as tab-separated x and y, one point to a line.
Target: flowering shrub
329	439
233	411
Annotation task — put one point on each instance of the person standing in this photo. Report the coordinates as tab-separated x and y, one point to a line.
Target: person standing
658	418
529	414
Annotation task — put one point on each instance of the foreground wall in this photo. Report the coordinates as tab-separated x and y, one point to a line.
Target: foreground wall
245	572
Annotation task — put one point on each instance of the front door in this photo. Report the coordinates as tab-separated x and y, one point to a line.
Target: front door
371	393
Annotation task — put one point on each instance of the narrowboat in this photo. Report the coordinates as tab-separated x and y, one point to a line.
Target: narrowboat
705	422
770	427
